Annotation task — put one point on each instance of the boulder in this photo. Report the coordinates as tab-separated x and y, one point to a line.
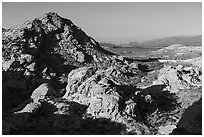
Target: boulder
166	130
34	104
30	108
41	92
75	78
80	56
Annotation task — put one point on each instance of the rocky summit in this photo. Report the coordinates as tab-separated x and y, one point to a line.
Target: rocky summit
58	80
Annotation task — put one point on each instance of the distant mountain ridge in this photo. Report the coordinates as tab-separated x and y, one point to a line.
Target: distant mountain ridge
162	42
184	40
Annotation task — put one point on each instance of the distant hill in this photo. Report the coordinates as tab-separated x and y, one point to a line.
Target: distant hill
160	43
188	41
142	48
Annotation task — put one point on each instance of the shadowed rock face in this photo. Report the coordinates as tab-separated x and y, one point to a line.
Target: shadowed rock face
58	80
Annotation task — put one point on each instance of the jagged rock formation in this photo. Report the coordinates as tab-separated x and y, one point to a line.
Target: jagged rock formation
46	50
58	80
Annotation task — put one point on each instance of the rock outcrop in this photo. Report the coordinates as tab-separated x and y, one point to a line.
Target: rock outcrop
179	77
103	96
59	80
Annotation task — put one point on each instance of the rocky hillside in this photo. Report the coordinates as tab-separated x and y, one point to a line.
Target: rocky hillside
177	51
58	80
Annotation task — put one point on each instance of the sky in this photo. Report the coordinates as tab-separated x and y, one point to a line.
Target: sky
115	22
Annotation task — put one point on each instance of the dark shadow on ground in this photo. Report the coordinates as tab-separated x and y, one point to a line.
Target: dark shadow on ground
45	122
15	89
154	98
148	100
144	68
191	121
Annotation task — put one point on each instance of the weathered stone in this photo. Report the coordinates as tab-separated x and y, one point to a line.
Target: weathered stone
166	130
30	108
41	92
80	56
75	78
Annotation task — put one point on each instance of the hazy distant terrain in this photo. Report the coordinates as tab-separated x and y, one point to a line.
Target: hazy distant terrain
133	49
188	41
